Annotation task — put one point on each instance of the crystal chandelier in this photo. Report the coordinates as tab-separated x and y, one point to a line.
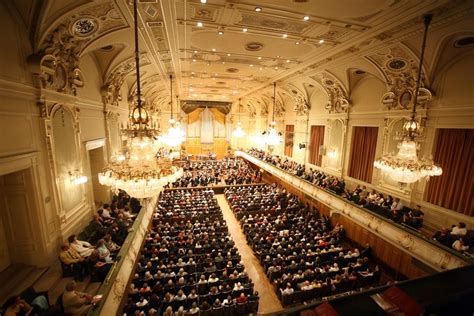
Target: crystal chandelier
405	166
238	131
175	136
272	136
140	172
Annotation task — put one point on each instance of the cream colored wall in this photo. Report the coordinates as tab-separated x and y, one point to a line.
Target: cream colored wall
28	140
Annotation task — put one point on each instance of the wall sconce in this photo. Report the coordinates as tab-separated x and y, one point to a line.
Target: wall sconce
77	178
332	153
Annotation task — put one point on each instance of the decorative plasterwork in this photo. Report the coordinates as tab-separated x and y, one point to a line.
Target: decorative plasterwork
338	96
399	67
57	71
111	89
84	26
251	109
302	106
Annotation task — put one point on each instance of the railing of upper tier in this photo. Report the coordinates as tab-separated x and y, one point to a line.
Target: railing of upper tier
417	245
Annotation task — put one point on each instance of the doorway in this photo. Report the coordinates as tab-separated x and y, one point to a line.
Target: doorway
100	192
20	235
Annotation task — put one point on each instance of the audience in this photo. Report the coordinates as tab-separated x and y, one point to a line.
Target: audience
74	302
107	231
376	202
189	263
298	248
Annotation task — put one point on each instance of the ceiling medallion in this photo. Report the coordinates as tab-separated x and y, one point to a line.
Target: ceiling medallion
254	46
396	64
84	26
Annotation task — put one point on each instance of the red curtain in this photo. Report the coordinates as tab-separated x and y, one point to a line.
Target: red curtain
454	189
289	135
316	140
364	143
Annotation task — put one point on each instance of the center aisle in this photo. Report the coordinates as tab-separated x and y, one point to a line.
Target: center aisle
269	302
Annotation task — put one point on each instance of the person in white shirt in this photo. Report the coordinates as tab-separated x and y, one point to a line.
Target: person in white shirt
459	230
106	211
288	290
459	245
84	248
397	205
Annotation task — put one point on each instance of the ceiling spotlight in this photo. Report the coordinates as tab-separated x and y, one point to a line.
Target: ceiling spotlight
306	18
258	9
194	60
259	57
220	32
297	43
261	68
321	41
213	49
195	52
192	73
276	67
287	60
244	30
278	56
228	54
251	65
199	24
223	62
285	35
235	92
203	1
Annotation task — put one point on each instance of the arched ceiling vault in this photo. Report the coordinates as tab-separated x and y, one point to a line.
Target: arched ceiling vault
225	50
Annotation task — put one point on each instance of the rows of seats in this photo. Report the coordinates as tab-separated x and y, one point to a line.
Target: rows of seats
227	171
189	264
387	206
304	257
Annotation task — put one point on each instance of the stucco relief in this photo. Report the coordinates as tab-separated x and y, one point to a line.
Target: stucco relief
338	96
111	89
399	67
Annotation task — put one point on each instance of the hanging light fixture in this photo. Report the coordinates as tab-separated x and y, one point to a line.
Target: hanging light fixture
405	166
238	131
272	137
140	173
175	135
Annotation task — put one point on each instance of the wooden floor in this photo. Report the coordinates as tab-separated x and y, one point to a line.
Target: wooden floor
269	302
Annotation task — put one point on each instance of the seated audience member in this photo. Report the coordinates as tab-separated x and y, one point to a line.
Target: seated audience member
460	244
444	237
110	244
103	251
84	248
69	256
416	216
15	305
459	230
74	302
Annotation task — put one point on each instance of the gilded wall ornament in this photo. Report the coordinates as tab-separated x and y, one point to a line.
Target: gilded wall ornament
338	97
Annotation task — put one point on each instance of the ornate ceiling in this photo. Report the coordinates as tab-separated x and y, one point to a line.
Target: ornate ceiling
224	50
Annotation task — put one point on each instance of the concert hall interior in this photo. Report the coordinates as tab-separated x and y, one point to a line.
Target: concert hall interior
236	157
